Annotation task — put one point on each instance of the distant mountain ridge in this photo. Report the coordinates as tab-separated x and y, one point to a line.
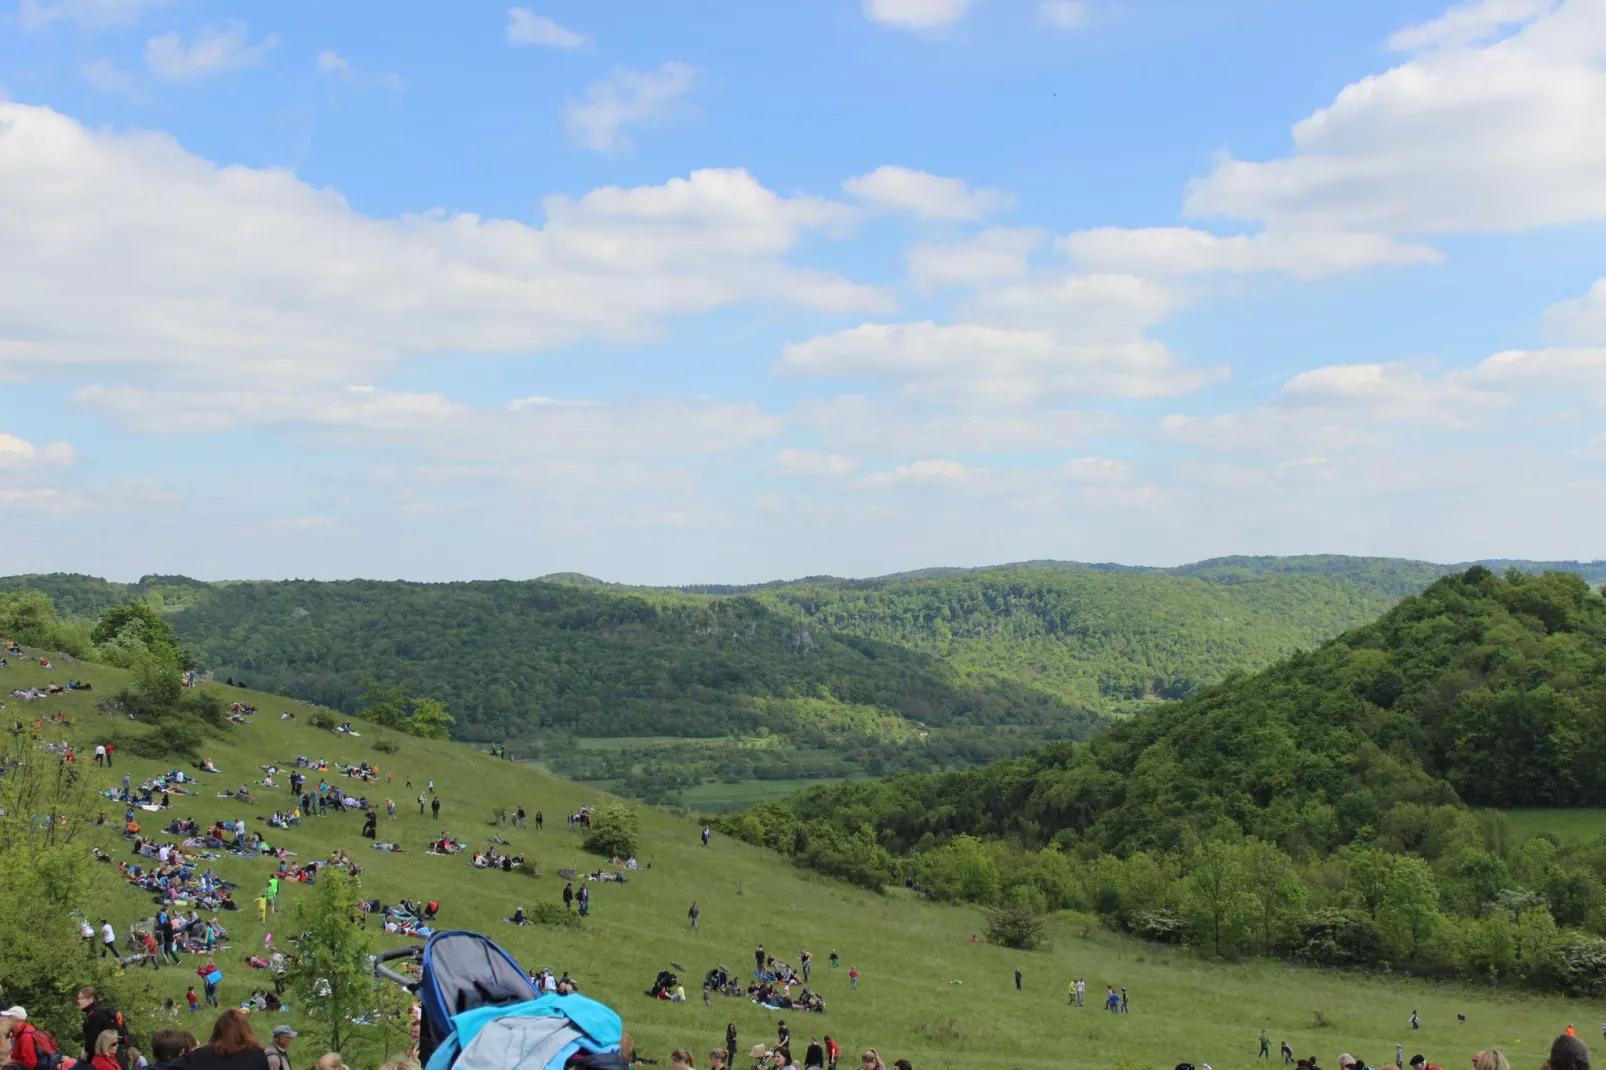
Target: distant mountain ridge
1049	648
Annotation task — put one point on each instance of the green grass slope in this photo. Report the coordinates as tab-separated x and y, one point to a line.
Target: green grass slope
909	952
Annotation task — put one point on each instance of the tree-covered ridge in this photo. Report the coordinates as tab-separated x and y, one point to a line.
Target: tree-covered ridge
1484	690
512	658
1091	636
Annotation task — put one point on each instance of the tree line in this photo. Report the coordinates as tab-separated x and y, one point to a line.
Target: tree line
1318	809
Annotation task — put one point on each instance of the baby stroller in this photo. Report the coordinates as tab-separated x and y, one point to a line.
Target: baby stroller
480	1012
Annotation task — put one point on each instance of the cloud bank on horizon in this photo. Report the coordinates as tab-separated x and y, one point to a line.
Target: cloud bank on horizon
849	288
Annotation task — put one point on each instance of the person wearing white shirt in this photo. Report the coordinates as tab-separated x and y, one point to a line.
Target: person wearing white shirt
108	939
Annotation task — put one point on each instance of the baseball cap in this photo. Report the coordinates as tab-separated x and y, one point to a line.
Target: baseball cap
15	1012
283	1031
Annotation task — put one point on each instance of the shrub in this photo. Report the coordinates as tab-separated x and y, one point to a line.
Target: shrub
614	830
326	721
1017	924
386	746
175	737
1161	926
552	914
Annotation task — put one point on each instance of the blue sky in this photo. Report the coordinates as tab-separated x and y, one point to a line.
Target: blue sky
722	291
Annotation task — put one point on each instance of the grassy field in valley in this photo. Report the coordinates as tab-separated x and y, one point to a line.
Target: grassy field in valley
928	993
1565	825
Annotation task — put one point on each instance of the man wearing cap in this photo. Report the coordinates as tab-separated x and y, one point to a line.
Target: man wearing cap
279	1050
24	1039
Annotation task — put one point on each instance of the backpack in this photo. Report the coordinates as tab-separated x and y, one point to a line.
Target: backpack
47	1056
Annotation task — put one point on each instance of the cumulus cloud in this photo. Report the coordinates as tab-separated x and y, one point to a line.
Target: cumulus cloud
1066	14
900	189
991	256
627	98
1466	136
335	65
865	425
18	454
525	27
1172	251
90	14
1581	320
976	363
127	255
929	471
215	50
1466	24
106	77
915	14
810	463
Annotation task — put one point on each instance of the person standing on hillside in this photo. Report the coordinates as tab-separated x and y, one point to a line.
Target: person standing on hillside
833	1052
1288	1053
108	939
421	802
1017	983
693	914
1125	1006
853	978
706	833
568	897
814	1055
730	1036
435	807
540	819
758	958
1265	1046
521	817
1416	1023
584	899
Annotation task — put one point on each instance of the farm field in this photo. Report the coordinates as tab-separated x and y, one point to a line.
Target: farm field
928	992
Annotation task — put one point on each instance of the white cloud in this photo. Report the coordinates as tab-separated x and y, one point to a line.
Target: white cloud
862	425
1096	470
91	14
979	364
524	27
1467	24
931	471
216	49
106	77
810	463
1170	251
1580	320
915	14
1066	14
899	189
1577	373
1501	136
991	256
18	454
332	62
129	257
627	98
1340	407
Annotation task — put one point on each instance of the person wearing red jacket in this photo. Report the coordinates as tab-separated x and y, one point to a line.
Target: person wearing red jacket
27	1042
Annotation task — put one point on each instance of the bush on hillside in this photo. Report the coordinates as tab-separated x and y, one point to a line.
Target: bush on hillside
614	832
552	915
326	721
1017	924
386	746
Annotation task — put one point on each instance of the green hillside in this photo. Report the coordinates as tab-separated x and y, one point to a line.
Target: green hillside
1324	796
911	953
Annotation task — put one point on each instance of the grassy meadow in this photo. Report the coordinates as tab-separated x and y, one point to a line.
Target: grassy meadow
928	992
1565	825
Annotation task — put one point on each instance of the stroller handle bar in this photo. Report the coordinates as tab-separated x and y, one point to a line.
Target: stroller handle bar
388	974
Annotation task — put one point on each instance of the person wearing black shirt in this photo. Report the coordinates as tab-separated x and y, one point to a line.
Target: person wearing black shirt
815	1055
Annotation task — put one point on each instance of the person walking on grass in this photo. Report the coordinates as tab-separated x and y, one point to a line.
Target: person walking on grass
1288	1053
421	802
521	817
108	939
1265	1046
1017	983
435	807
853	978
540	819
694	914
1070	1000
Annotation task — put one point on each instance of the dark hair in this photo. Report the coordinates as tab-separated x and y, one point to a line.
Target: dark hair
231	1034
169	1044
1569	1053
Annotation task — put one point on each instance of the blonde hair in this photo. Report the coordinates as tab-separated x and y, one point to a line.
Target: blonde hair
106	1042
1490	1060
873	1060
330	1061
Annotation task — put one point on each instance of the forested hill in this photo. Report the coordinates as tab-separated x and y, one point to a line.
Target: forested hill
1483	689
512	658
